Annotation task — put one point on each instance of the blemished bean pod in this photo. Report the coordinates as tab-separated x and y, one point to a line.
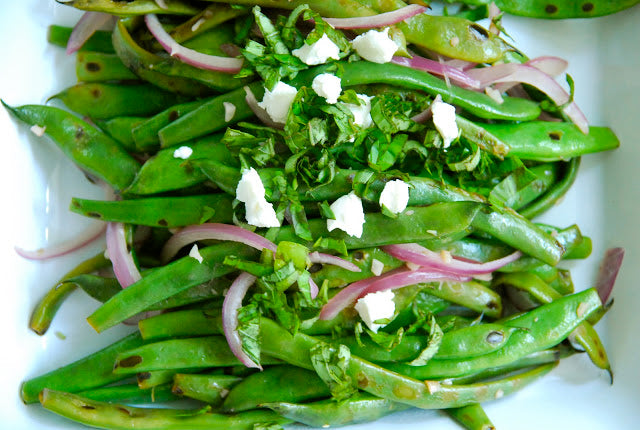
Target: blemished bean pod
471	417
88	147
474	340
208	18
130	393
115	416
97	67
100	41
48	306
559	9
472	295
155	378
119	128
211	389
135	7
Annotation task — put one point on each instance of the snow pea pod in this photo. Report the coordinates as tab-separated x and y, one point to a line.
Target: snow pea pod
472	295
211	389
210	17
92	371
474	340
135	7
142	62
209	117
167	212
114	416
295	349
552	141
361	408
165	282
478	104
88	147
119	128
155	378
96	67
130	393
99	100
276	384
199	352
559	9
471	417
100	41
48	306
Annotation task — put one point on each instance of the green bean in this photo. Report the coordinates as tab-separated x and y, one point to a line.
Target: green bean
135	7
166	282
209	117
165	172
552	141
472	295
408	348
361	408
587	337
478	135
96	67
210	17
200	352
546	179
193	322
559	9
130	393
142	62
363	259
558	279
114	416
102	101
89	372
295	349
555	193
48	306
168	212
474	340
471	417
88	147
275	384
100	41
211	389
155	378
120	128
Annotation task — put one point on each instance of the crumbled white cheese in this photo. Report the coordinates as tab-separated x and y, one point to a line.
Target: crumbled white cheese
377	267
362	112
250	191
328	86
375	46
395	196
229	111
278	101
444	118
374	307
318	52
349	215
195	253
38	130
183	152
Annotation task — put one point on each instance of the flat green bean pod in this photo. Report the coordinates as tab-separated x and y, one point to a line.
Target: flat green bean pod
471	417
211	389
130	393
559	9
100	41
135	7
97	67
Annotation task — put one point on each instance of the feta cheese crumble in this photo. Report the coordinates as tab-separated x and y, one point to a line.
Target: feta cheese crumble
395	196
250	191
278	101
328	86
375	46
229	111
444	118
361	113
195	253
349	215
377	267
376	306
318	52
183	152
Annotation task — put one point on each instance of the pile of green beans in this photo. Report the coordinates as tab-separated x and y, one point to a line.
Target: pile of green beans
133	106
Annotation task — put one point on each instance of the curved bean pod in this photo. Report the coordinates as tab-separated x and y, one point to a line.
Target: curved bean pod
97	67
135	7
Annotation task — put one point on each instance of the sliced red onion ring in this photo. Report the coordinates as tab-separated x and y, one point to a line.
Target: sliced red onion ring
313	288
381	20
187	55
320	258
426	258
554	66
523	73
232	303
608	272
215	231
124	267
441	69
91	234
262	114
460	64
88	24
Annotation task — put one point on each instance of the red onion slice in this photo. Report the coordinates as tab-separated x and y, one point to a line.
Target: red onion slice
232	303
124	267
88	24
320	258
553	66
460	64
523	73
426	258
313	288
381	20
262	114
215	231
441	69
608	272
91	234
187	55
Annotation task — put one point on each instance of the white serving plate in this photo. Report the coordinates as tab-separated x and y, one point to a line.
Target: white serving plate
37	183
